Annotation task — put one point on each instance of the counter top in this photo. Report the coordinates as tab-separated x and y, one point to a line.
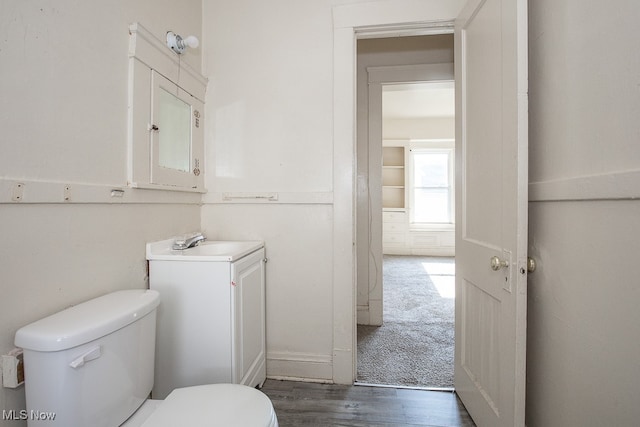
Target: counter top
214	250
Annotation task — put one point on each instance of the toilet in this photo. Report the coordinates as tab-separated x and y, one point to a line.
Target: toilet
93	365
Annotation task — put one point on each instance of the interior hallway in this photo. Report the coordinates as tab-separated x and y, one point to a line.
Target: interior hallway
415	344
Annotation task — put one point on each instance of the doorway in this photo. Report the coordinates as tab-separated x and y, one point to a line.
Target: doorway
492	326
405	174
415	345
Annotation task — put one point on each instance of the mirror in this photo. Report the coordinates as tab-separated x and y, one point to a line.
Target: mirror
174	136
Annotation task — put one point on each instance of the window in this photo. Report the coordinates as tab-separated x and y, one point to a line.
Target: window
431	186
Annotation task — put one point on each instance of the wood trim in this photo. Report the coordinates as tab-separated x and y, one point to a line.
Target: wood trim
152	52
269	198
20	191
148	54
609	186
411	73
351	22
289	365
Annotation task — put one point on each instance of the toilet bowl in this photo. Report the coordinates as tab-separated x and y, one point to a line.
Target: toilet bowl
207	405
92	364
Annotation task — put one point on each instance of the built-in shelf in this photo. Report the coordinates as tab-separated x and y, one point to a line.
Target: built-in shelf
393	177
398	236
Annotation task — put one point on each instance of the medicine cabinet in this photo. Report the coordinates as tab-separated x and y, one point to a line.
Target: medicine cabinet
166	117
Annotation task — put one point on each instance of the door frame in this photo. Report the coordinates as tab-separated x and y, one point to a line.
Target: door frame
377	78
352	22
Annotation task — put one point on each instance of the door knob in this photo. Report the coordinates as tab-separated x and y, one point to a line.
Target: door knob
497	263
531	265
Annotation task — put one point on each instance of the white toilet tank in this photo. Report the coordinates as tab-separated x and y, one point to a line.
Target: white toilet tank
91	364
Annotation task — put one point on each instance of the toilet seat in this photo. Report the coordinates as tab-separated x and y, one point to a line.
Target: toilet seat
141	414
231	405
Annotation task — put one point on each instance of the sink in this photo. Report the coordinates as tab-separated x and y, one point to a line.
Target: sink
214	250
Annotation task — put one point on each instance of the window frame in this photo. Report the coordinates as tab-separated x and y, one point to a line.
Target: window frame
445	146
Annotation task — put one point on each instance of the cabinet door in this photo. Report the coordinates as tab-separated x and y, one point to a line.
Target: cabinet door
194	341
176	135
248	279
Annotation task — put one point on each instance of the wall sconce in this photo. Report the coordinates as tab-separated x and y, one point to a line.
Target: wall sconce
178	44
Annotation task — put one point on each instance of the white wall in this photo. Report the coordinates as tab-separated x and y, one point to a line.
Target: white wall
269	99
299	279
269	107
583	346
266	59
271	129
63	121
74	52
419	128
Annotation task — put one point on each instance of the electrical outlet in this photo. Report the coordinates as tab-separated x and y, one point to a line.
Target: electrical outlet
13	368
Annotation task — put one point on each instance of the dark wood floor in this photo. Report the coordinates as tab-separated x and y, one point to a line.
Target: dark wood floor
312	404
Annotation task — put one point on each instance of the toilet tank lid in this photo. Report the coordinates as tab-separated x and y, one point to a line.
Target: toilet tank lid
87	321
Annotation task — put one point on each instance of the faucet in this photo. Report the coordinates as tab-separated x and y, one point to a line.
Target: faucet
189	242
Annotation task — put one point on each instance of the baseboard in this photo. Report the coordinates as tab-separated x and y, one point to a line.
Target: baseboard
362	315
256	374
434	251
300	380
297	366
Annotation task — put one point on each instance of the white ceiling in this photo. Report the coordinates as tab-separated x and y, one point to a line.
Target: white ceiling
418	100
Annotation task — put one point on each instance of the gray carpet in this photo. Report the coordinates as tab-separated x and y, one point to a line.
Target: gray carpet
415	344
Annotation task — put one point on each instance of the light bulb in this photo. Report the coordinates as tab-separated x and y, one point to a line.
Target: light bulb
178	44
192	42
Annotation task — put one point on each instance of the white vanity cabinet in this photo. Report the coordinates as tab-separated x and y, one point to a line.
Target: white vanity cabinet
211	319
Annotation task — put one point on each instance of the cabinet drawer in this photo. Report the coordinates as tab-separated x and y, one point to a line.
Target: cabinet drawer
393	238
425	240
390	227
394	217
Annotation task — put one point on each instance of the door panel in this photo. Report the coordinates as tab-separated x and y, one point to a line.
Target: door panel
480	340
483	122
491	146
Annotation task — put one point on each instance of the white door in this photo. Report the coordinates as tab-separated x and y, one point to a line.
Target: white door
491	146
